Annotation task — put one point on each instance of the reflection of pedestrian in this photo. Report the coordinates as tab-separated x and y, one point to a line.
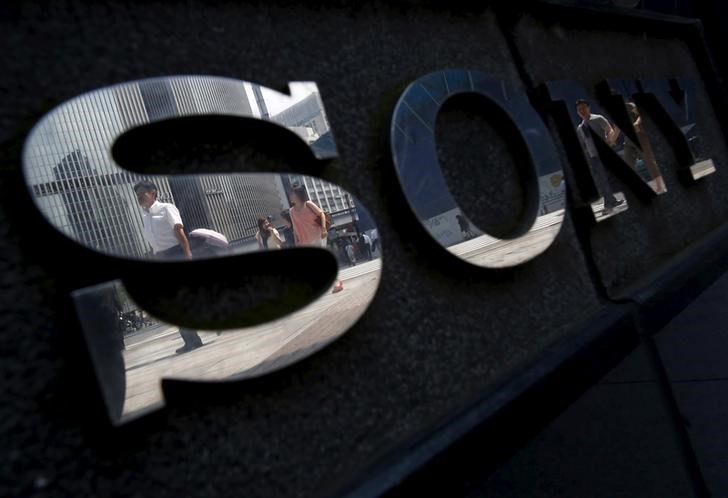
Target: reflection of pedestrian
350	254
343	258
287	230
375	239
163	226
192	340
591	125
367	245
632	153
309	221
164	231
267	236
464	226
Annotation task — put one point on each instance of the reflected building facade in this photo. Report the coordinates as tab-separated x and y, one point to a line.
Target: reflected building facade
235	203
96	206
307	118
80	187
305	114
327	196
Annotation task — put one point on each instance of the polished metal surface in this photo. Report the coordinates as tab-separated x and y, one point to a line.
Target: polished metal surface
82	191
676	98
602	141
79	188
412	137
632	143
669	102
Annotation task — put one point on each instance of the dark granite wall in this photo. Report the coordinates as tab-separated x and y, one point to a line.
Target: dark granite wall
439	332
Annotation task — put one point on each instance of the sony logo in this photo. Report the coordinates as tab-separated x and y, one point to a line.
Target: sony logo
77	184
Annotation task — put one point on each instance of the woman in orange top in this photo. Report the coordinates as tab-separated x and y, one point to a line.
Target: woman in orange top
309	224
309	221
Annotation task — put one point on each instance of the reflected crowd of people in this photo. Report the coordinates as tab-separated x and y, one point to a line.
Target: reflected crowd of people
304	224
314	229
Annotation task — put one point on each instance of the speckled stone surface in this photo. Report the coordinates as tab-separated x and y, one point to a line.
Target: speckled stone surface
626	247
438	334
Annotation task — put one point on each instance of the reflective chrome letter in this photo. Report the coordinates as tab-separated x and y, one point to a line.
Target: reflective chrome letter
597	135
677	108
412	138
87	196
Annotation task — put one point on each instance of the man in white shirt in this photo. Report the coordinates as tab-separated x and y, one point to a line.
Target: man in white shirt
591	125
163	226
164	231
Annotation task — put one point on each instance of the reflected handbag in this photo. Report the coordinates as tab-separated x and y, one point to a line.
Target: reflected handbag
327	217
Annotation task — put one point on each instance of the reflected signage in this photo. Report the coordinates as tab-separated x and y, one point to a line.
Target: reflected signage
81	190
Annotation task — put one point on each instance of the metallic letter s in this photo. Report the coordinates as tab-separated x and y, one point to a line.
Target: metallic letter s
81	190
